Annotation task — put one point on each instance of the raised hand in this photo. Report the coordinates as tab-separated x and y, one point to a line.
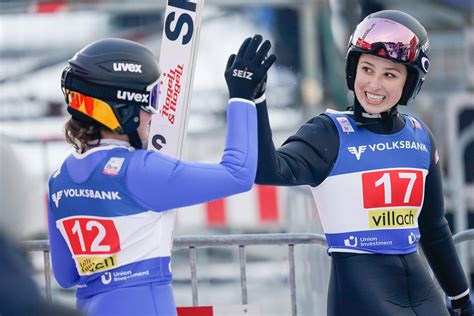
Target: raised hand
245	72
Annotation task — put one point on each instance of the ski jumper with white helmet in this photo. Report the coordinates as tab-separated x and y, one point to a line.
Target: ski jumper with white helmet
377	183
106	210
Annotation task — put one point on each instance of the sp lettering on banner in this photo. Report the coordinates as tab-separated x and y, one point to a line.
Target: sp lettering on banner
177	60
176	20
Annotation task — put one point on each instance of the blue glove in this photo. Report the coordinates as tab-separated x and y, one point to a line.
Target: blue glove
245	71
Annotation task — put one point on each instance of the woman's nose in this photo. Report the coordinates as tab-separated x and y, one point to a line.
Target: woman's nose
375	82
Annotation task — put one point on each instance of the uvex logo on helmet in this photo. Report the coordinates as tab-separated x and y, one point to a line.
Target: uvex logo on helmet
132	96
127	67
426	46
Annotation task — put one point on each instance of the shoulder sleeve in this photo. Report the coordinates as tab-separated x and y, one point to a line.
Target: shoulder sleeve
64	267
436	239
304	158
161	182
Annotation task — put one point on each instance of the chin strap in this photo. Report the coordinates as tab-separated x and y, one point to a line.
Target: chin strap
362	118
358	113
135	140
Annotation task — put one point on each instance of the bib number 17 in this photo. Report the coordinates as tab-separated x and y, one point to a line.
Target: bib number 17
392	188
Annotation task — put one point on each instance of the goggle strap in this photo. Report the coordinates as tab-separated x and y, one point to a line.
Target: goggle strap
98	91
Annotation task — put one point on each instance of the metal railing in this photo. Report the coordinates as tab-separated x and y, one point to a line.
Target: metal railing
463	236
241	241
194	242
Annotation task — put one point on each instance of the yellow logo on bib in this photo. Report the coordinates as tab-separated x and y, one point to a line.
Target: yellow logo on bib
89	265
392	218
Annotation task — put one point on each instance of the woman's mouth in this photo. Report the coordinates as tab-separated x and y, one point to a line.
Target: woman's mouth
374	98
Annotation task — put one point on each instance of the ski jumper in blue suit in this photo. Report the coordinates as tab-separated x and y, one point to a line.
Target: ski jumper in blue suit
110	222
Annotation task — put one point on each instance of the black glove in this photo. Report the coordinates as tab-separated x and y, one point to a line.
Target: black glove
261	89
245	71
462	307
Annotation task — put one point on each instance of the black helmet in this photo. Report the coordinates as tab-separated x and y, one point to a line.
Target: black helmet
108	82
394	35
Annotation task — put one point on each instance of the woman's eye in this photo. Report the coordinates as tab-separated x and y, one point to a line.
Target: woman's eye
390	75
367	69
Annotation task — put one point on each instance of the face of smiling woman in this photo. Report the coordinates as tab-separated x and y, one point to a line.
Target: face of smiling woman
379	83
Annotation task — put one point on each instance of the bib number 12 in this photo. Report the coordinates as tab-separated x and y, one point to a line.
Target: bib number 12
92	235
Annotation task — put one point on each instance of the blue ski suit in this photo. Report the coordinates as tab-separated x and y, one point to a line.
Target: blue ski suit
111	217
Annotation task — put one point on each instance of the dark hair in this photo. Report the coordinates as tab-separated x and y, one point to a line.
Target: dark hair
81	135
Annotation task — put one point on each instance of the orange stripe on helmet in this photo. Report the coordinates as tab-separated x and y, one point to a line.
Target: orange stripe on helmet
96	109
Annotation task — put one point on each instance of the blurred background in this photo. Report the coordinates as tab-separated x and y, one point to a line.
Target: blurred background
309	37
